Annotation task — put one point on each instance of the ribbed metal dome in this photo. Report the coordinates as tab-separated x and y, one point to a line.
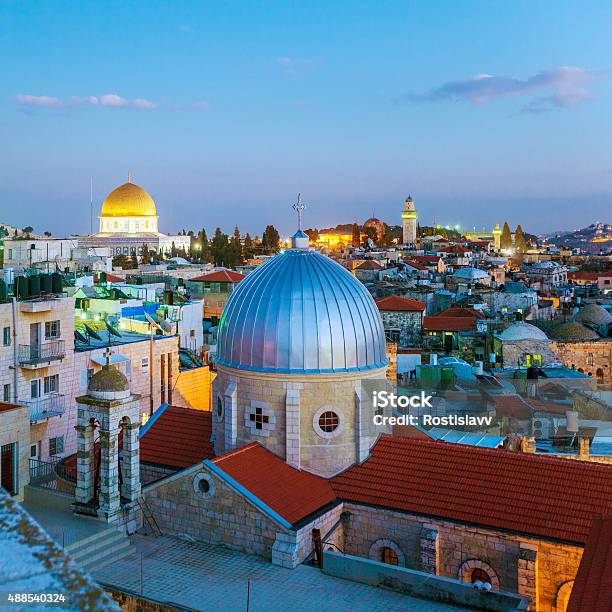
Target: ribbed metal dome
301	313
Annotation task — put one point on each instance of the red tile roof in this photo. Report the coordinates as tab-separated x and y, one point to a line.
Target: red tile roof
178	438
512	406
457	311
289	492
6	406
370	264
220	276
400	304
415	264
455	249
541	496
592	276
592	589
110	278
439	323
426	258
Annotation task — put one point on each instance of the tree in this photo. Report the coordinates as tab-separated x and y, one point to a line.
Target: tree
313	234
173	250
134	260
234	252
270	240
248	249
122	261
369	233
506	237
146	256
219	246
356	235
519	240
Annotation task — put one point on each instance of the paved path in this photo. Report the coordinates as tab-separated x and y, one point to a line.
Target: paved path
213	578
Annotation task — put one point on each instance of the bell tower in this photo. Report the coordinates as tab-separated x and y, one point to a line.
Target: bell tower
409	222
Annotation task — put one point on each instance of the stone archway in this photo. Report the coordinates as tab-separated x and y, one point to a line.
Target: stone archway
468	567
376	551
563	595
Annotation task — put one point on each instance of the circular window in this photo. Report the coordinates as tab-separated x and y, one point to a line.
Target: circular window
204	485
388	555
219	408
329	421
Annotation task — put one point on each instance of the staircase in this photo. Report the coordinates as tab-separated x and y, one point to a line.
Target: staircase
100	549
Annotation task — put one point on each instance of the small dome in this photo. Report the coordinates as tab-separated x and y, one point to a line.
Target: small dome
108	380
522	331
594	314
301	312
470	274
572	331
128	200
377	224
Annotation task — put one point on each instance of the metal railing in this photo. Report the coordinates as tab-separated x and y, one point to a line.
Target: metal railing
53	475
47	407
36	353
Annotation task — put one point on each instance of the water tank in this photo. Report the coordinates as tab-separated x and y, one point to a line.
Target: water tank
102	278
34	285
56	283
46	284
478	368
21	287
433	359
572	421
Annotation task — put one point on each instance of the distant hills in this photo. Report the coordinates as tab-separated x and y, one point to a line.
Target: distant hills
594	238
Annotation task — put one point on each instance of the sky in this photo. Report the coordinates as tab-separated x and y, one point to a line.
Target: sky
482	111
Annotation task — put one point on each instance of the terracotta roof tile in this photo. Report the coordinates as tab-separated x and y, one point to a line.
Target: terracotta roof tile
289	492
220	276
401	304
415	264
370	264
179	438
593	583
439	323
541	496
512	406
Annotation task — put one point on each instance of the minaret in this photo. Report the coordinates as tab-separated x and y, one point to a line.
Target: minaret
409	222
496	238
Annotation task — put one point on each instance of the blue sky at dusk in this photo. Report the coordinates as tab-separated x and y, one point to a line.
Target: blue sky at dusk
483	111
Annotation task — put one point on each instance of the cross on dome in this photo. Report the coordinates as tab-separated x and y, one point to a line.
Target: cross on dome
299	206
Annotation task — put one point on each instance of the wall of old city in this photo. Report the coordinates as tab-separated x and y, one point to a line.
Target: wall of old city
592	358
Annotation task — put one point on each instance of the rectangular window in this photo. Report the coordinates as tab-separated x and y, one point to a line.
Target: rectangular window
51	384
162	378
35	388
6	336
590	358
52	330
144	364
6	393
56	446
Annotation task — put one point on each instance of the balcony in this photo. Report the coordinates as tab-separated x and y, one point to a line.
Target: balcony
33	356
47	407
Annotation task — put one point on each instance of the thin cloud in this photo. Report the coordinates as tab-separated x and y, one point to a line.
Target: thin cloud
106	100
292	65
564	87
44	101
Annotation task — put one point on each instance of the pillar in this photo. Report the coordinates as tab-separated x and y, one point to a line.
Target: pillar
292	424
429	550
230	401
130	487
362	427
85	462
527	575
109	500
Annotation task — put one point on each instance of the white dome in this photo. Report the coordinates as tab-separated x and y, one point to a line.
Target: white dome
470	273
522	331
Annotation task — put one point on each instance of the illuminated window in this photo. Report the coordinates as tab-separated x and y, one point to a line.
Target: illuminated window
388	555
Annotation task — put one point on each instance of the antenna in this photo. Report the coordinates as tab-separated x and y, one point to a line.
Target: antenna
91	205
299	207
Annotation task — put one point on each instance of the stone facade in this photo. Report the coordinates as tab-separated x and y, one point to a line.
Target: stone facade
593	358
15	431
193	387
243	398
514	563
514	352
403	327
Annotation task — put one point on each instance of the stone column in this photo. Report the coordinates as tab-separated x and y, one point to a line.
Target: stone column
109	474
526	567
130	487
292	427
429	550
85	462
362	428
230	401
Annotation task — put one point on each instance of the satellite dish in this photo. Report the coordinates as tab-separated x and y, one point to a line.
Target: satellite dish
80	336
166	326
92	333
113	331
152	322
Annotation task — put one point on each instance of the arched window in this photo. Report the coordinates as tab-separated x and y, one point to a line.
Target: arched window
388	555
563	595
478	574
600	376
475	569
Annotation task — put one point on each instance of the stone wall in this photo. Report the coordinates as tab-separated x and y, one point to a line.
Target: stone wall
193	388
517	564
593	358
221	516
514	351
15	429
408	323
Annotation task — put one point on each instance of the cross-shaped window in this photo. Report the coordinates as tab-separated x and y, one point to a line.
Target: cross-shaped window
259	418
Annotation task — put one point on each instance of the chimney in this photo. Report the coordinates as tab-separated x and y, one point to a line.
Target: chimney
583	447
528	444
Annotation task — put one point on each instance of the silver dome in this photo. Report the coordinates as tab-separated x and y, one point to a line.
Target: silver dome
301	313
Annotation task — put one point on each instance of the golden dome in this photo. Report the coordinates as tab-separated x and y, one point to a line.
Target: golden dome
128	200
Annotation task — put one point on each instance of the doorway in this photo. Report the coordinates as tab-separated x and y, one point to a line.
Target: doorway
8	464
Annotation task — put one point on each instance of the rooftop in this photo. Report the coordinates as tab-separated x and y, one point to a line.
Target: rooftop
500	489
400	304
219	276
